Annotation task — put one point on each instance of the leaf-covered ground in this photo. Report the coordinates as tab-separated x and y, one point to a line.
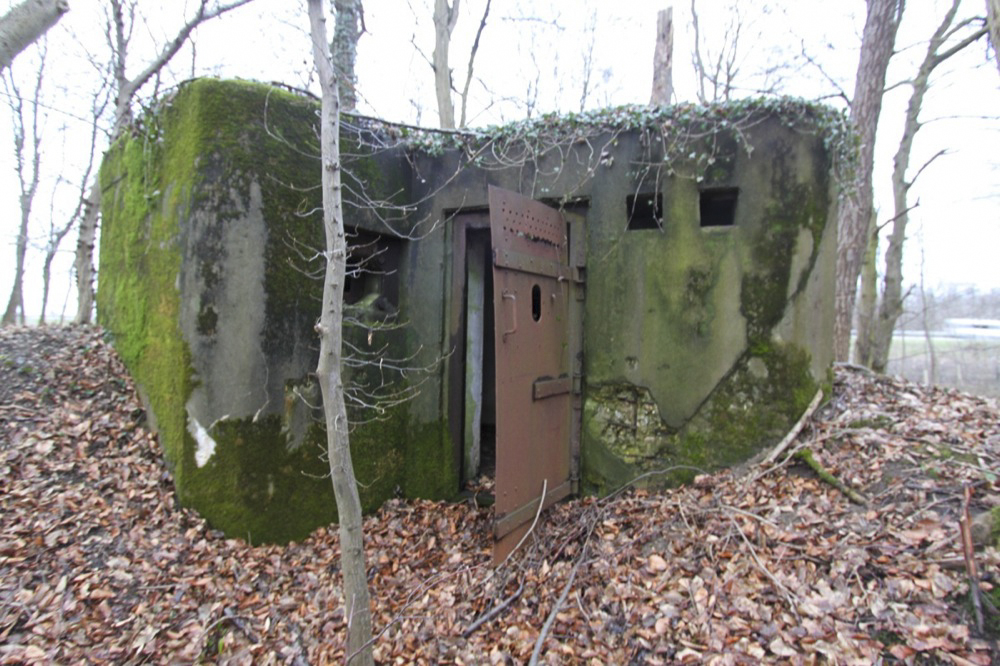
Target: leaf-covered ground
98	564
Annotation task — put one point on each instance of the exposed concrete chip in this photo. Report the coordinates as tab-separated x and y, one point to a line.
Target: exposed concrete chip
205	444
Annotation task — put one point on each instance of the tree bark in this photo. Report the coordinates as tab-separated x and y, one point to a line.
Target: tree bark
445	18
877	43
28	181
328	370
25	23
347	29
869	298
925	321
83	265
891	304
663	59
993	20
15	304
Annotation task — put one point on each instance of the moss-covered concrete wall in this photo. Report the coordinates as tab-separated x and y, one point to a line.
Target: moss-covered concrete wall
209	286
702	345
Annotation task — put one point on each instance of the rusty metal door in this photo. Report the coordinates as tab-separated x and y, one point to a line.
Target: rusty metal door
533	288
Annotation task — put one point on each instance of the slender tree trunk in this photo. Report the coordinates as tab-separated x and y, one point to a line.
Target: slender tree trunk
15	304
27	150
993	20
855	208
25	23
346	32
663	59
328	370
445	17
891	305
84	263
925	321
869	298
46	284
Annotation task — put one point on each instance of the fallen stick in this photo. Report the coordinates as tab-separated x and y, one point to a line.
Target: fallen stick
806	456
496	610
550	620
796	429
969	552
541	503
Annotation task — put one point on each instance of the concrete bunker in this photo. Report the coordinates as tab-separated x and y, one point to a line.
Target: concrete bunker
687	254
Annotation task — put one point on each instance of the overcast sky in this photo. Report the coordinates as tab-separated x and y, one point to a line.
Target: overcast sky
532	59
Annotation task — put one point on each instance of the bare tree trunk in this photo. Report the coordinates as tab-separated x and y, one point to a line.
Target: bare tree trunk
993	20
696	59
25	23
328	370
445	18
855	208
347	29
925	320
663	59
56	236
869	298
15	303
27	175
83	265
892	289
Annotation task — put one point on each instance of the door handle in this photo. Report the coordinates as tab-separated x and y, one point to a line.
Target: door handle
513	316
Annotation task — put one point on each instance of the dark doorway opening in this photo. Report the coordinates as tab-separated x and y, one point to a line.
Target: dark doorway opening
479	436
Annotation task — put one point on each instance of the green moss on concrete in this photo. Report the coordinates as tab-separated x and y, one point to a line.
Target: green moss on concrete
752	407
202	151
137	299
430	470
260	492
793	207
252	489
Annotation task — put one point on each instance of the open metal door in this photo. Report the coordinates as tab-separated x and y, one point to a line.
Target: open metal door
533	284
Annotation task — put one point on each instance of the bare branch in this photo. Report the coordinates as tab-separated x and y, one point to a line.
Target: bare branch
472	58
171	49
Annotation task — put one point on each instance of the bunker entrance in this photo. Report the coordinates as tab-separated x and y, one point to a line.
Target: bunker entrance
516	374
480	415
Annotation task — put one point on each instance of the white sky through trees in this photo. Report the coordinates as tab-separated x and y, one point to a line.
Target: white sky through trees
531	60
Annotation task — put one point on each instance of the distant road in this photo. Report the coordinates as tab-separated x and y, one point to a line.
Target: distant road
962	333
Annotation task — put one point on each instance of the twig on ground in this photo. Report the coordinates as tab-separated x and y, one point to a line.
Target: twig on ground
806	456
493	612
541	503
238	621
796	429
792	606
969	552
550	620
242	625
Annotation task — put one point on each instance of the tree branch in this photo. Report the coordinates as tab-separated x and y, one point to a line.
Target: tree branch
472	58
171	49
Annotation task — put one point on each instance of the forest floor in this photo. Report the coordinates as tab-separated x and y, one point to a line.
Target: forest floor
768	563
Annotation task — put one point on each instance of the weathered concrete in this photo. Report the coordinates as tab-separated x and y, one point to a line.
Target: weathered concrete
701	344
